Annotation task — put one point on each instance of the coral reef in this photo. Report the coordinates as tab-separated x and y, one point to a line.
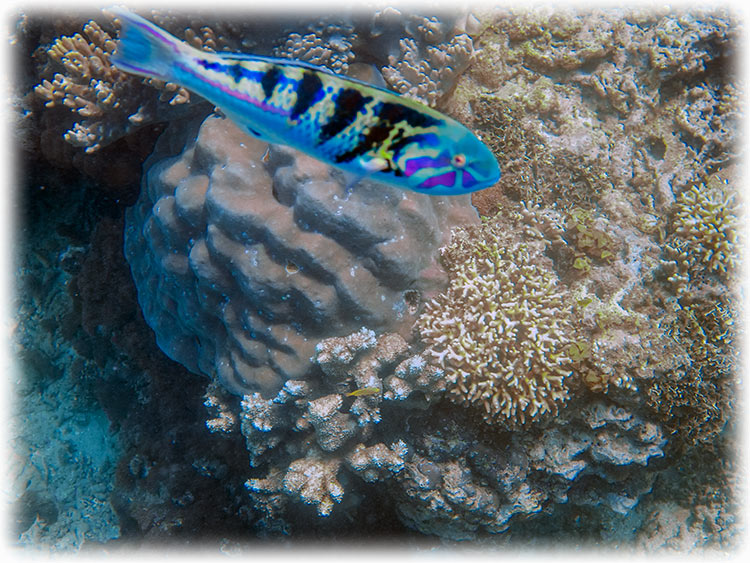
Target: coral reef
425	53
441	472
111	102
63	453
502	329
242	265
329	45
591	321
92	104
696	399
592	97
705	233
427	74
479	488
314	481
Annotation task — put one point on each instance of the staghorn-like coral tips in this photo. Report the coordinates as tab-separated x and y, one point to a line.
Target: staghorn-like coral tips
428	74
501	330
707	220
104	102
314	482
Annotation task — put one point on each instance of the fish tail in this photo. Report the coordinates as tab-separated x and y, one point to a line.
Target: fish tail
145	48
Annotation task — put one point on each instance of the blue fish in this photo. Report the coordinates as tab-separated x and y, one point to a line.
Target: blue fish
359	128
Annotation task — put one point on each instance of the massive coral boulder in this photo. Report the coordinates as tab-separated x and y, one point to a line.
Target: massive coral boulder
245	256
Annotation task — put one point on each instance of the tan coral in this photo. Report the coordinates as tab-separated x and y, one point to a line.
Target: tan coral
332	427
428	74
314	481
216	401
334	355
707	220
377	462
109	101
330	47
502	328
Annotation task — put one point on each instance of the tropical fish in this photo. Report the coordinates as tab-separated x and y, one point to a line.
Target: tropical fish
364	392
362	129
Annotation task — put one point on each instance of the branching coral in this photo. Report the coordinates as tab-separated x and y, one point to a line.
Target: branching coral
589	237
377	462
314	482
428	73
328	45
706	219
697	400
111	102
502	328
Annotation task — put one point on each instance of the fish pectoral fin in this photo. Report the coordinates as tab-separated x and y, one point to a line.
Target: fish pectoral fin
367	167
351	181
372	164
258	135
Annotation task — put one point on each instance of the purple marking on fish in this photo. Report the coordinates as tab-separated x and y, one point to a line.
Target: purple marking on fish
416	164
234	93
150	29
134	68
447	179
468	180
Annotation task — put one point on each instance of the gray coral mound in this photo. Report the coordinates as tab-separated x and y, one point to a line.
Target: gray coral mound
245	257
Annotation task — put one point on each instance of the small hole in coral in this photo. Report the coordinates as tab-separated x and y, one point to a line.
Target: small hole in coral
411	298
656	147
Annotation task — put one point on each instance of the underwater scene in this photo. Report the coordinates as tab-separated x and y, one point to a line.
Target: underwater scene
396	276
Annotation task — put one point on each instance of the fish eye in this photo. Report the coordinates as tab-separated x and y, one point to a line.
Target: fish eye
458	160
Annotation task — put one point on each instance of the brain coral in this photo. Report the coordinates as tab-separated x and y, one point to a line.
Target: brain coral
502	327
245	256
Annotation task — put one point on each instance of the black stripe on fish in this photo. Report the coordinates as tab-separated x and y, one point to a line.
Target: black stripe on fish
399	141
375	134
270	79
210	65
236	71
389	115
393	113
309	91
348	104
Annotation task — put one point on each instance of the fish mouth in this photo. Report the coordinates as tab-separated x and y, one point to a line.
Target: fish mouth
487	170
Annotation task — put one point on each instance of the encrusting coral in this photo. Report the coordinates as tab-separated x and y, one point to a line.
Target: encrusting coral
502	329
